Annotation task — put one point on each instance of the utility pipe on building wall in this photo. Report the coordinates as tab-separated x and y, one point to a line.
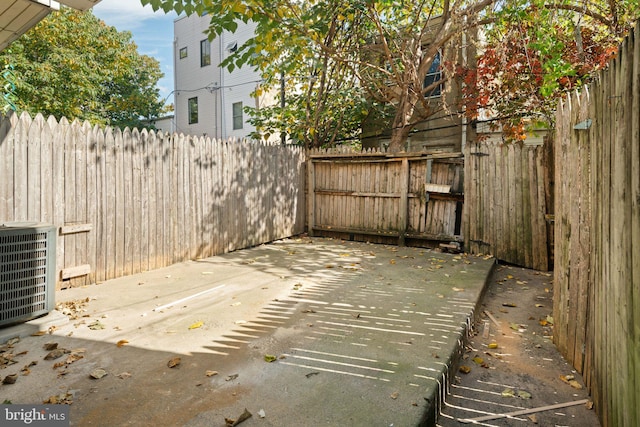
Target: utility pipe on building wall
174	121
223	110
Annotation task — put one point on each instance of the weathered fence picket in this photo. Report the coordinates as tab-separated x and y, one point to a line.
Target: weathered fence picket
386	197
505	203
597	228
129	201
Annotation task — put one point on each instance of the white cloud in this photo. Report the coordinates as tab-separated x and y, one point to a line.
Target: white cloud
128	14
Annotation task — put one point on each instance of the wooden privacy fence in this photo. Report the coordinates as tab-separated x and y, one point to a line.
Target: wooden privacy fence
129	201
369	195
506	202
597	274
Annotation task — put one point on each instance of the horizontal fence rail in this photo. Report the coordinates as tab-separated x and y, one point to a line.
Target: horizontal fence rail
130	201
390	196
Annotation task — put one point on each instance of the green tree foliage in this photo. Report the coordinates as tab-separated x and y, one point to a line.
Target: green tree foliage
324	101
536	51
347	59
72	64
377	53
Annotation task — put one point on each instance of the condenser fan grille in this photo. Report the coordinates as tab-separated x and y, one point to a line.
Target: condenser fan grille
27	272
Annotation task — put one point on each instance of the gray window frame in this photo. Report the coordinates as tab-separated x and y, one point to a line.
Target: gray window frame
205	53
238	118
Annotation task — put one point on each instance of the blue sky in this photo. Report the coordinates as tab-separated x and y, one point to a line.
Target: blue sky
152	32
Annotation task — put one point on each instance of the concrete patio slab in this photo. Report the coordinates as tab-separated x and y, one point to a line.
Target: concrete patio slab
360	334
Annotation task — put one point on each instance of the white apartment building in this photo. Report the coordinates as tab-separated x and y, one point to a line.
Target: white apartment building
209	100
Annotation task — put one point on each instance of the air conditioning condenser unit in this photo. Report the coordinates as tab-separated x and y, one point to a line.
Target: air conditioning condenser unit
27	271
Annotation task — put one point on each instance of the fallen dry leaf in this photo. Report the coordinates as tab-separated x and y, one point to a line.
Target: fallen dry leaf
124	375
211	373
55	354
464	369
98	373
394	395
517	327
524	394
122	343
96	325
59	399
10	379
575	384
507	392
196	325
173	362
73	357
230	422
50	346
74	308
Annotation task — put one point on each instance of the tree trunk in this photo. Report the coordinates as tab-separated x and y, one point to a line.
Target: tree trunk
401	125
399	137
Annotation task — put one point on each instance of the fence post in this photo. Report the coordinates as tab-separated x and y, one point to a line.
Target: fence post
311	188
404	202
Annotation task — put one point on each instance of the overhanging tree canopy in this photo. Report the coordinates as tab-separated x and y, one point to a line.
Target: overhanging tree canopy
382	49
535	51
73	65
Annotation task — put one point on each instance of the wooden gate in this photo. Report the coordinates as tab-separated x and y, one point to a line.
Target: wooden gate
375	196
507	202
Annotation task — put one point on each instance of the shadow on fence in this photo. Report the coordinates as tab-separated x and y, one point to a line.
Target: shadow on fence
127	201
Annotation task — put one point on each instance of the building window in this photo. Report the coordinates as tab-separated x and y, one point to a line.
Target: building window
205	53
237	116
433	75
183	52
193	110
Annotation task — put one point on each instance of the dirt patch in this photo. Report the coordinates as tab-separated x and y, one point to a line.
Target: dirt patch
511	361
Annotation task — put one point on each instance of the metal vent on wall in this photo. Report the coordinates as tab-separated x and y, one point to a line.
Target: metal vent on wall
27	271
